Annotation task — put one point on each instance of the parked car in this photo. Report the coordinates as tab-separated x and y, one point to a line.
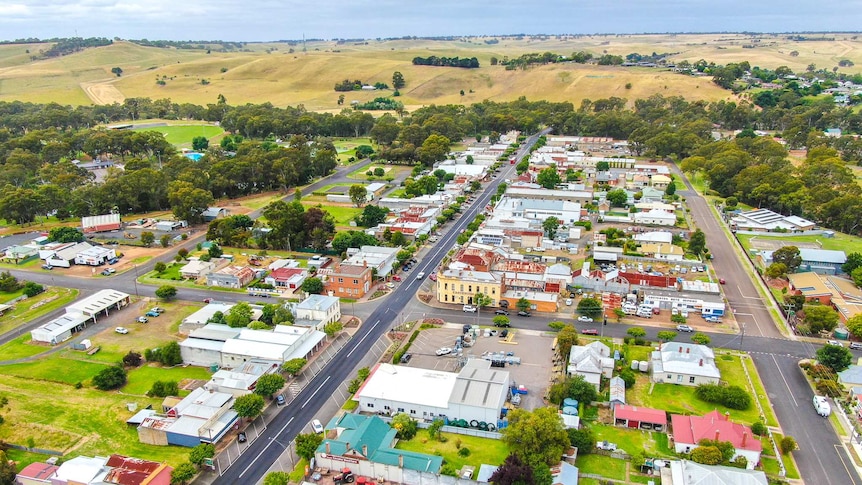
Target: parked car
279	400
113	260
721	280
241	437
604	445
500	311
590	331
497	324
157	309
316	426
152	314
821	405
504	333
106	273
406	358
524	314
585	319
208	300
122	330
143	319
47	266
469	309
433	277
568	302
713	319
855	345
396	278
684	328
390	285
443	351
834	342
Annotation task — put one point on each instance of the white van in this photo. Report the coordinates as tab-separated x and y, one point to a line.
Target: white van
644	313
821	405
630	309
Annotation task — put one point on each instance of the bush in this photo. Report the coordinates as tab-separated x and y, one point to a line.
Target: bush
829	388
787	445
32	289
464	452
164	389
733	397
110	378
583	439
758	428
628	376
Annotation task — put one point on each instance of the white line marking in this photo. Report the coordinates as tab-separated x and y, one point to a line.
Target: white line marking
268	444
314	393
849	473
363	338
790	391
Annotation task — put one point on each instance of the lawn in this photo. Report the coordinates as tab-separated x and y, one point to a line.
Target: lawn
172	272
342	215
20	347
602	465
638	352
482	450
841	241
789	464
631	440
141	379
346	147
26	311
182	135
54	369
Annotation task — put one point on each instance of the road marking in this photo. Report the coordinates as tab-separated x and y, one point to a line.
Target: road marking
314	393
790	391
269	442
362	339
849	473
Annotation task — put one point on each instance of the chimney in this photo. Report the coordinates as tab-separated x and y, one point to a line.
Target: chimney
680	349
347	446
365	451
701	362
400	461
688	350
744	438
716	435
327	447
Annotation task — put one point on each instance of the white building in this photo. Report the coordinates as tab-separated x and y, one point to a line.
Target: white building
477	392
655	217
196	268
60	329
685	472
220	346
592	361
538	209
95	256
655	237
317	311
378	257
684	364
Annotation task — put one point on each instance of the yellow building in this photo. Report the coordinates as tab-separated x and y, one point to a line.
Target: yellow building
459	286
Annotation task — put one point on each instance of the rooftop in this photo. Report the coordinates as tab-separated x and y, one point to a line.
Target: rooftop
683	358
648	415
711	426
480	385
409	384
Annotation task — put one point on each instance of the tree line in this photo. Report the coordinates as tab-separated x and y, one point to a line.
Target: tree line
446	61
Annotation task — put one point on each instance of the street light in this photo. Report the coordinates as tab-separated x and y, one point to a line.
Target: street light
135	281
286	448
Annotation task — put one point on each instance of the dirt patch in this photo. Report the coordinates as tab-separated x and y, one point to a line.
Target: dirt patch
103	93
778	283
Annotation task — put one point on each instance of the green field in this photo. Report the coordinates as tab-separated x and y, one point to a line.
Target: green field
602	465
342	215
632	440
482	450
182	135
841	242
141	379
27	310
346	147
20	347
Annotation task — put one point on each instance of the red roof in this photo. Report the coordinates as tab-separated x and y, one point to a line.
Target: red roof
711	426
643	415
38	471
284	274
134	471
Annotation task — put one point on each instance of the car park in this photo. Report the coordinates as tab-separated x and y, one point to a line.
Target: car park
585	319
524	314
684	328
122	330
500	311
443	351
316	426
468	309
590	331
143	319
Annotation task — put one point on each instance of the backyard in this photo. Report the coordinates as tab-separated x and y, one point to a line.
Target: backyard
482	450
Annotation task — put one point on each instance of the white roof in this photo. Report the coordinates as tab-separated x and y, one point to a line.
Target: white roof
58	326
683	358
307	345
409	385
215	331
202	344
254	349
98	302
318	302
655	237
686	472
205	314
480	385
90	221
95	251
268	336
195	266
83	469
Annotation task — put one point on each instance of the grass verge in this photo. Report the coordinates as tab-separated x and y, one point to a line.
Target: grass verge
26	311
760	393
789	463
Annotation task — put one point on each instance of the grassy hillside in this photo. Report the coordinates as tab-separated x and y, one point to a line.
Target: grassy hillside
269	72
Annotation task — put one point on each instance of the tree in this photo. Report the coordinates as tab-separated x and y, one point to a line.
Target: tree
248	406
566	339
405	426
820	318
590	307
147	238
165	240
215	251
603	166
618	197
697	242
670	189
294	366
371	216
398	80
398	239
164	389
856	276
550	225
269	384
701	338
312	285
787	444
166	292
7	470
435	429
501	321
65	234
854	260
358	194
183	474
200	143
581	390
548	177
117	70
307	443
32	289
170	354
160	267
189	202
513	471
8	283
482	300
523	304
332	328
537	436
636	332
109	378
583	439
277	478
776	270
854	325
239	315
707	455
666	335
132	359
835	357
201	452
789	255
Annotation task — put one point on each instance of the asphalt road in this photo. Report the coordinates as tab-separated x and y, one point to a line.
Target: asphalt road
254	463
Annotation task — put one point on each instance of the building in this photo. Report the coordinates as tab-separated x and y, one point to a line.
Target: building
664	252
709	305
689	430
19	254
684	364
459	285
196	268
377	257
201	417
36	474
767	220
366	445
213	213
592	361
286	278
231	277
617	391
317	311
79	315
851	376
654	217
477	392
84	470
685	472
539	209
821	261
656	237
203	316
64	255
101	223
60	329
842	294
240	380
346	281
95	256
640	418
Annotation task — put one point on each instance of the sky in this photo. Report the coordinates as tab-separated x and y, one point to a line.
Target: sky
266	20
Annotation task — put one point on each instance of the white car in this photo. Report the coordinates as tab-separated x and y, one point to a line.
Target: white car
443	351
122	330
316	426
568	302
420	275
684	328
834	342
469	308
821	405
585	319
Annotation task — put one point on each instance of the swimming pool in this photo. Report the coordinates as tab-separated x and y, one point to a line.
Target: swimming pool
194	156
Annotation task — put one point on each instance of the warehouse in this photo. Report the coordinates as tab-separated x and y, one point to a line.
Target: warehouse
101	302
60	329
101	223
78	315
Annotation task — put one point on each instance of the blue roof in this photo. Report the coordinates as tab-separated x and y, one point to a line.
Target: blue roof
853	375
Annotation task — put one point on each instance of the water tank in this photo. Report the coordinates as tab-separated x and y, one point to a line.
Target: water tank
643	366
841	334
635	365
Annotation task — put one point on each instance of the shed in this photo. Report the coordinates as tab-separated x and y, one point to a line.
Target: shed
101	223
618	391
60	329
640	417
101	302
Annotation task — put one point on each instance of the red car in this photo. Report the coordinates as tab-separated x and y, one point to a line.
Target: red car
433	277
721	280
396	278
208	300
590	331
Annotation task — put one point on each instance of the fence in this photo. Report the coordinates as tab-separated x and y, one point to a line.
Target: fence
494	435
35	450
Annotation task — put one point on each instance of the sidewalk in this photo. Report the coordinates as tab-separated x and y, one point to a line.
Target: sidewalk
852	446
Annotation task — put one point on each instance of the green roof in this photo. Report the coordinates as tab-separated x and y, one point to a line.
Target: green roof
412	460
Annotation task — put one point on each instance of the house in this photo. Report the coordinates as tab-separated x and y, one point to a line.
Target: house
684	364
380	258
640	418
366	445
654	217
459	285
660	181
345	281
201	417
84	470
688	431
665	252
851	376
231	277
101	223
821	261
567	474
540	301
840	293
811	286
651	194
592	361
685	472
64	255
240	380
289	278
655	237
213	213
36	474
19	254
317	311
95	256
196	268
